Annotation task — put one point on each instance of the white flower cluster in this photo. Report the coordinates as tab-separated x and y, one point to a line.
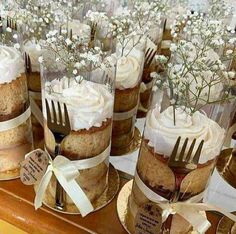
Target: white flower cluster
130	25
35	19
72	53
199	69
219	9
104	27
147	15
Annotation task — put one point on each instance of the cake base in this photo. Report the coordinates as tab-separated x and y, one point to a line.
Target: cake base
10	175
226	225
223	167
122	204
133	146
103	200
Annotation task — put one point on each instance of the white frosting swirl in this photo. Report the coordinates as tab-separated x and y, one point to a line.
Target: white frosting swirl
11	64
129	70
89	104
34	51
162	133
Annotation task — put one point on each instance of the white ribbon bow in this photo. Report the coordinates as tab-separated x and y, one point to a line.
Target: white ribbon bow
66	172
189	210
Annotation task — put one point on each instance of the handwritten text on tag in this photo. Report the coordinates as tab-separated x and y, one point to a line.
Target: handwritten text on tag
34	167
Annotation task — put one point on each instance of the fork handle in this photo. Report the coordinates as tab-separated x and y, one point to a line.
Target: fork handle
59	204
166	226
178	181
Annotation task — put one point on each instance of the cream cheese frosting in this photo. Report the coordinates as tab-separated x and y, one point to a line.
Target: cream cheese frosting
11	64
162	133
89	104
34	51
128	72
129	68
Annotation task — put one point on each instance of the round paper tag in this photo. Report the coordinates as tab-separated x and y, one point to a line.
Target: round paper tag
34	167
148	219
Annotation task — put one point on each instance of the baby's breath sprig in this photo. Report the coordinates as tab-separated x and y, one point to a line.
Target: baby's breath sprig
219	9
135	23
197	74
35	18
71	52
205	33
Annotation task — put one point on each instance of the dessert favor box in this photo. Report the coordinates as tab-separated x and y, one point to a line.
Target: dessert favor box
89	99
160	180
15	125
128	78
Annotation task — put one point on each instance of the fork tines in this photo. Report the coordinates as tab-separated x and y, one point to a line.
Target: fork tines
149	56
93	30
11	23
55	122
175	157
28	66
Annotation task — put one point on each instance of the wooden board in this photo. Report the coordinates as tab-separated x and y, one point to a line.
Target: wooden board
16	208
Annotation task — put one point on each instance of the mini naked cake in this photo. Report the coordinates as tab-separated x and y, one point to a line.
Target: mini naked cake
15	142
160	136
128	78
33	51
90	108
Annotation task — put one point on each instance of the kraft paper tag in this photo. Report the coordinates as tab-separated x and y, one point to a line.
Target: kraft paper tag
148	219
34	167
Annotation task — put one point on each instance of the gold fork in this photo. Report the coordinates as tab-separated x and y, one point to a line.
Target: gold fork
182	165
149	56
60	128
93	33
11	23
1	26
28	67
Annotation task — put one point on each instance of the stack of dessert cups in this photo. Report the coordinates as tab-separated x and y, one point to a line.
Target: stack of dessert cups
15	125
89	97
128	79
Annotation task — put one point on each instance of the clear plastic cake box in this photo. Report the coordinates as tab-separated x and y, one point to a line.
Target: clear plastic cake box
18	208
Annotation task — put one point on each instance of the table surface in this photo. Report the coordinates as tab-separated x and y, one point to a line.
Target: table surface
18	208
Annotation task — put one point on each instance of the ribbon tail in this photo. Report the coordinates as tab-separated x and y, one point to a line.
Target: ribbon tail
196	219
42	189
222	211
76	194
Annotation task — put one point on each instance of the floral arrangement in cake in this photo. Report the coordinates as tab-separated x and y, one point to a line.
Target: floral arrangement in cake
76	56
198	74
190	111
82	77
